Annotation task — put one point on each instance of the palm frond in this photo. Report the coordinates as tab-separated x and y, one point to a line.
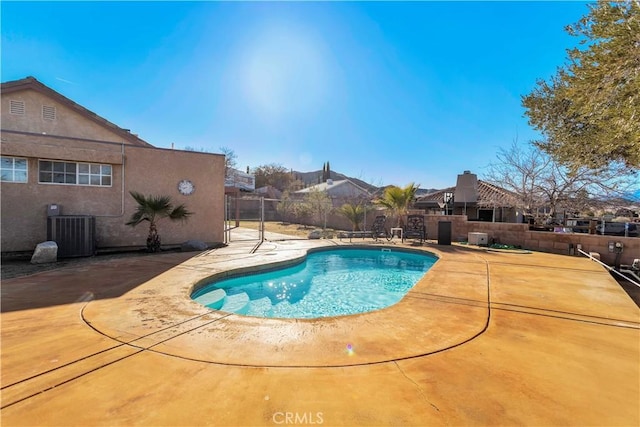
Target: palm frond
159	204
354	213
137	218
180	213
138	197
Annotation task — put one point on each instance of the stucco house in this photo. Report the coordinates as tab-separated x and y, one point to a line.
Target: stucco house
60	159
478	199
240	181
340	191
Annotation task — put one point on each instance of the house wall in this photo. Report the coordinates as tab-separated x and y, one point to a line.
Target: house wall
501	214
145	170
24	205
73	137
345	191
340	191
158	171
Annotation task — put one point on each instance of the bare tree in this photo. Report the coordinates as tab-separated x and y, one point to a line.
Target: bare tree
285	206
543	185
273	174
320	204
302	211
230	160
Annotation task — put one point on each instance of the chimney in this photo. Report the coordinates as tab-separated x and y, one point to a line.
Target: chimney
466	188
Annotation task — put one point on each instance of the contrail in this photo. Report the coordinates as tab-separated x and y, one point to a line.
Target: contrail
66	81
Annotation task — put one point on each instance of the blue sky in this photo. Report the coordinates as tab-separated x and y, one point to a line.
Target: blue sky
388	92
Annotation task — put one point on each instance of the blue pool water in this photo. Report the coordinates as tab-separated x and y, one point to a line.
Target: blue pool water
328	283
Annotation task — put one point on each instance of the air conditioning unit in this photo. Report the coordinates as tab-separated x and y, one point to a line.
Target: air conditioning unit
74	234
478	239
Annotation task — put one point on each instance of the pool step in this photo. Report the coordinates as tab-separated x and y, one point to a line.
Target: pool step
260	307
213	299
281	307
236	303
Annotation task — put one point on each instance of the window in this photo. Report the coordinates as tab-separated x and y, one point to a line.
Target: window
52	172
14	169
92	174
48	112
16	107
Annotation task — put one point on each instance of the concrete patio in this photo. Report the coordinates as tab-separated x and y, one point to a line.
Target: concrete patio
484	338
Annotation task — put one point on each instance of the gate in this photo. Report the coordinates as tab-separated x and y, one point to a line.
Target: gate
245	212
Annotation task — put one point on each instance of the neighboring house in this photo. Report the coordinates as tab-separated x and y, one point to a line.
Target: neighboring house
340	192
269	192
58	158
479	200
631	212
239	180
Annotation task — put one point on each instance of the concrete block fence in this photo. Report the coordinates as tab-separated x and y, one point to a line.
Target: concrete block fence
510	234
543	241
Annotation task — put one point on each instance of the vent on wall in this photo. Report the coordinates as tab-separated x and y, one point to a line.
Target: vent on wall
75	235
16	107
48	112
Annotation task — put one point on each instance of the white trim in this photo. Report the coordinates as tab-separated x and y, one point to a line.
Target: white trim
78	174
13	170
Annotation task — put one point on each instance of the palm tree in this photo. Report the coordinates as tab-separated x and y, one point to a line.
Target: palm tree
152	209
354	212
398	200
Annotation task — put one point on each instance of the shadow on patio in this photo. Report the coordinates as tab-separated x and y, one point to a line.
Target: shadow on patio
80	282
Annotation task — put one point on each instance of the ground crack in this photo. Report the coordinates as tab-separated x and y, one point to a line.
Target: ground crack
422	393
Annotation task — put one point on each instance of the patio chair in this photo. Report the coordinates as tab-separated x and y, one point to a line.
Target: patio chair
415	228
377	228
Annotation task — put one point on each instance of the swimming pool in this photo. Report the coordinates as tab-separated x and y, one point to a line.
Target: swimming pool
327	283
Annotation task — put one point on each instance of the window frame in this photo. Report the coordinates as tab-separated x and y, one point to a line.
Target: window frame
83	174
13	169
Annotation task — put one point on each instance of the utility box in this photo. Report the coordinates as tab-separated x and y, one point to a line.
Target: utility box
478	239
74	234
54	209
444	232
